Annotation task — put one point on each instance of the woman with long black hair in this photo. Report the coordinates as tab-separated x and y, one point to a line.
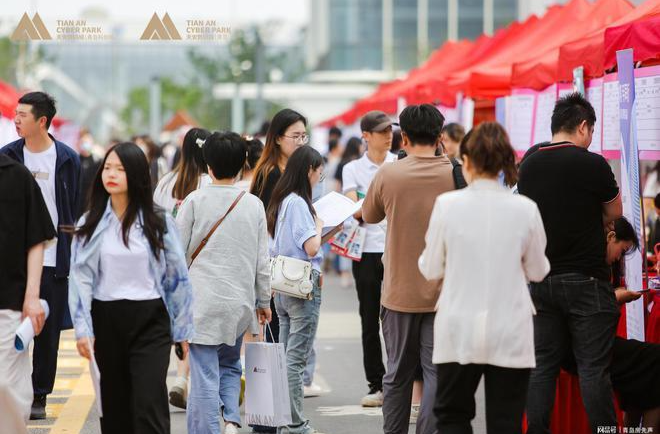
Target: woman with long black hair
129	293
189	174
287	132
296	233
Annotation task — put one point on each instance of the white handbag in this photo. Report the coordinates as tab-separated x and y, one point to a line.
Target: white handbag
290	276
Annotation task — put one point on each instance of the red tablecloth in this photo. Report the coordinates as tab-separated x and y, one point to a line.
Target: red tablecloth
568	414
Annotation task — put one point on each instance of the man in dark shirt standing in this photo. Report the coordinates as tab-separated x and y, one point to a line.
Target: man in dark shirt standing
577	194
25	225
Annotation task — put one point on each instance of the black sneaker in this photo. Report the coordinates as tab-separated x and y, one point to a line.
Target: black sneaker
38	411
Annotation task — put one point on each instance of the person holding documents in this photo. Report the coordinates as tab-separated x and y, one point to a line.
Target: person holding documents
357	175
129	293
297	233
484	318
25	225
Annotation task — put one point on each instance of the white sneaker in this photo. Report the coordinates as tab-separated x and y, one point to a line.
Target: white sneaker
230	428
312	390
414	413
373	399
179	392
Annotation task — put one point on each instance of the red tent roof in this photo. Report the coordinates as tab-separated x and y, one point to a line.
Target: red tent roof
589	52
386	95
445	88
432	85
516	45
494	79
541	71
643	35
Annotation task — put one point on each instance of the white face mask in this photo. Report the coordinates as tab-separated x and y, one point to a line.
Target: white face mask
86	146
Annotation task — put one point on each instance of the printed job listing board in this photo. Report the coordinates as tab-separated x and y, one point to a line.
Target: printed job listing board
527	113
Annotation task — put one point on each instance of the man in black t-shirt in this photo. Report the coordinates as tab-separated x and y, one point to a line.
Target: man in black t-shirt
577	194
25	225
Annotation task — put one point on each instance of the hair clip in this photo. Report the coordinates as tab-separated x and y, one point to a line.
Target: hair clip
200	142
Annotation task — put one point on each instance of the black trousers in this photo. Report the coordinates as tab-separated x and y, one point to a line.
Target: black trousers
132	350
44	359
368	275
506	392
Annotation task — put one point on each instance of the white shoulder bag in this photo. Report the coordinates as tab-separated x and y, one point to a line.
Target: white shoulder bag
290	276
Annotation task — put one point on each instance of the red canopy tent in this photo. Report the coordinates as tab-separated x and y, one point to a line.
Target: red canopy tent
445	88
589	52
431	87
494	79
540	72
643	35
386	95
517	44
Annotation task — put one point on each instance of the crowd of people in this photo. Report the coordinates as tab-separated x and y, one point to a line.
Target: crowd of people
474	266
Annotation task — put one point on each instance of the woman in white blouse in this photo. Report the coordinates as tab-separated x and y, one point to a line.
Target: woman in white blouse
486	244
189	174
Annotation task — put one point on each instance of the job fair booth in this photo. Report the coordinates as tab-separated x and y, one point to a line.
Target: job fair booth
610	51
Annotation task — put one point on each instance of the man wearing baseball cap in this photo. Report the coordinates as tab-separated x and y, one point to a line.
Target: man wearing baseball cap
368	272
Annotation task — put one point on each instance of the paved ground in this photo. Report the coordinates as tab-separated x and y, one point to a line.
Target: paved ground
71	408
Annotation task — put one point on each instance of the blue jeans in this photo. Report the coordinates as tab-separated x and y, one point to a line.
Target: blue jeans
215	372
299	319
308	375
579	314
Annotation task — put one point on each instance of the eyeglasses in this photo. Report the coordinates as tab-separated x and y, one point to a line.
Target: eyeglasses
302	138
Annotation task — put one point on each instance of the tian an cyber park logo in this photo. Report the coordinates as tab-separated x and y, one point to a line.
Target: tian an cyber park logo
31	29
67	30
196	30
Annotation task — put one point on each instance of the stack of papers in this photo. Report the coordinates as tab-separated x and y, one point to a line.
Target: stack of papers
334	209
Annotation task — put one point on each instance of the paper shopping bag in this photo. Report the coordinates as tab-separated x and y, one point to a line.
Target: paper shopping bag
266	385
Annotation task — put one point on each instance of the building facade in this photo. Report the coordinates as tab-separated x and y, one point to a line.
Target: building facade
391	36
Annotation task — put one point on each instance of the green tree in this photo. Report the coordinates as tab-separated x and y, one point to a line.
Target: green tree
235	65
13	53
174	96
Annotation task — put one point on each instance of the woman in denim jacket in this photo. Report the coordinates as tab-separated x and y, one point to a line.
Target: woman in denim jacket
129	293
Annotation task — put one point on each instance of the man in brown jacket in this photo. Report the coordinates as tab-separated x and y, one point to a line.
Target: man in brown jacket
404	193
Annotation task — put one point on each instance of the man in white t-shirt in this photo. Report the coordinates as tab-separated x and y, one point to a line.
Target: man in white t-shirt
376	129
56	169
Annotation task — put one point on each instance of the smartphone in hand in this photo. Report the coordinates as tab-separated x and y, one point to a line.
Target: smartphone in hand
178	350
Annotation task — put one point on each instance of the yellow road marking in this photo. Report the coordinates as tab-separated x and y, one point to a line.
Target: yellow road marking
65	383
74	413
67	344
70	362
